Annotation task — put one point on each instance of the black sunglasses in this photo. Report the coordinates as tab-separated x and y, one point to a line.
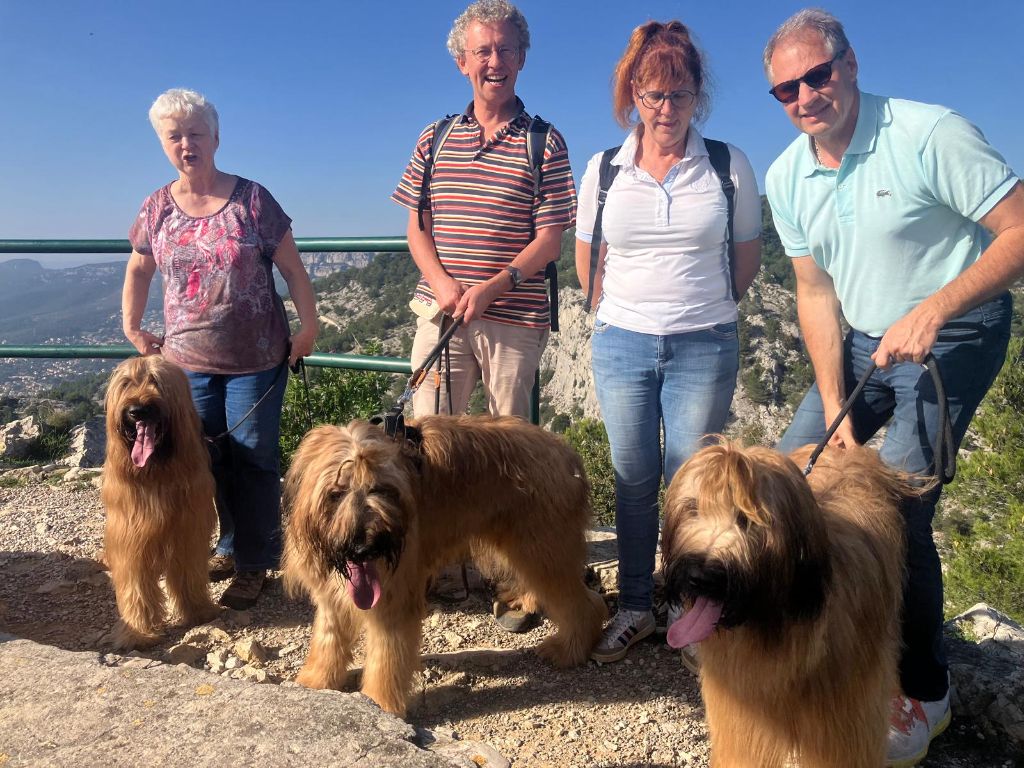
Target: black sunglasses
815	77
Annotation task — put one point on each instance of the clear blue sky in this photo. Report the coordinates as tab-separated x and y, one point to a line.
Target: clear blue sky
322	101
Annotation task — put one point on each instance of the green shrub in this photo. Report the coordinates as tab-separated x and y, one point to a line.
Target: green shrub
983	510
335	397
51	445
589	439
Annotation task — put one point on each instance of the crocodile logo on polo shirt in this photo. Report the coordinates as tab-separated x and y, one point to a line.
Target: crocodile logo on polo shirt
883	193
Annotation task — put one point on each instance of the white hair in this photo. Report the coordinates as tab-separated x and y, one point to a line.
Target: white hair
808	21
182	102
487	12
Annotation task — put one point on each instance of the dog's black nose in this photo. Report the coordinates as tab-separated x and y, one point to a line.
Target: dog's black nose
703	578
137	412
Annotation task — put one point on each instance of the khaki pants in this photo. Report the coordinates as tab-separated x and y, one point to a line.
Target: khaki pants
504	356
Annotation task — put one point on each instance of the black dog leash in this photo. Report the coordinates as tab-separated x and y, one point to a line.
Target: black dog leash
299	365
447	366
944	453
394	420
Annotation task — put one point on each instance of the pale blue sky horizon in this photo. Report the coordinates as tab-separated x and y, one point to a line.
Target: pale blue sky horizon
321	102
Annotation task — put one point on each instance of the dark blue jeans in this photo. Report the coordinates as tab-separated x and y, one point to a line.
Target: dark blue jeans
969	354
246	464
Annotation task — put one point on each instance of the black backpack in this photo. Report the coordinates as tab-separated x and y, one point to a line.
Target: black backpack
536	139
718	154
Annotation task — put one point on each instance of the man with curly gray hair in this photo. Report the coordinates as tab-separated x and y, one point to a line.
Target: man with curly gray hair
488	200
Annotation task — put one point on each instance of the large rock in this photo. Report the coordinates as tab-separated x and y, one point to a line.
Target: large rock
567	357
88	444
64	708
986	659
16	437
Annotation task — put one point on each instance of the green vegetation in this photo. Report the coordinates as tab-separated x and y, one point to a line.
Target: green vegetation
774	260
335	397
58	411
388	280
590	440
983	510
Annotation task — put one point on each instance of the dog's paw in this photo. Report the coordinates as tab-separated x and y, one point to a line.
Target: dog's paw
202	614
311	678
123	638
560	652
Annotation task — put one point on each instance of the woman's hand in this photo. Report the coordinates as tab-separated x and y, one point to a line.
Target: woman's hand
146	343
301	345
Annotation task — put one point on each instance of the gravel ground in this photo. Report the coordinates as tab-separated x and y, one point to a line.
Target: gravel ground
477	682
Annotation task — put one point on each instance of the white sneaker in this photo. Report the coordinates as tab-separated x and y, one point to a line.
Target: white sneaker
912	727
625	629
688	655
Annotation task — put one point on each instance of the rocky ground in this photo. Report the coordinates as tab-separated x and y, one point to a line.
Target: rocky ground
477	682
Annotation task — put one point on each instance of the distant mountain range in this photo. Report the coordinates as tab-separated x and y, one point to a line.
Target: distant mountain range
46	306
82	305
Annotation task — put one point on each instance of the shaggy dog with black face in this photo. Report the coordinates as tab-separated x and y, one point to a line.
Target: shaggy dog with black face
793	587
371	519
158	493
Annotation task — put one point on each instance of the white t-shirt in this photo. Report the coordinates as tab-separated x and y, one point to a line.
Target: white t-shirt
666	269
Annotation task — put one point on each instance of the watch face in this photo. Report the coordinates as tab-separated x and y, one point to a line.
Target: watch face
516	276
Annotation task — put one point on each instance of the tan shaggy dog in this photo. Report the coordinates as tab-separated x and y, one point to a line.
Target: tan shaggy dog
373	518
158	493
793	587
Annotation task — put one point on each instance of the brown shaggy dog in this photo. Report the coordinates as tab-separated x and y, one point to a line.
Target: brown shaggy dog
794	585
158	492
373	518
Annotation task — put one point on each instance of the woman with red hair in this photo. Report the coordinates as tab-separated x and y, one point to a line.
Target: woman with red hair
665	346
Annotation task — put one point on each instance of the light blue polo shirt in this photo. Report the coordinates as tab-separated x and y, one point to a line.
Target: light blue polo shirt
898	219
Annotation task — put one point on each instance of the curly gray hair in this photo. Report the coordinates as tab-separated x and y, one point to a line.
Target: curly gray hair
182	102
487	12
809	20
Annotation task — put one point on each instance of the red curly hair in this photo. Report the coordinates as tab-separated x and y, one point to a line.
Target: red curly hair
658	52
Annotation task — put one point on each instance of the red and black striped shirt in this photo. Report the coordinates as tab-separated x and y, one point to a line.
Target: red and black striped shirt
483	208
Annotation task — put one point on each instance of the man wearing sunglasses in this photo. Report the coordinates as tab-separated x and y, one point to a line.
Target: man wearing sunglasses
900	218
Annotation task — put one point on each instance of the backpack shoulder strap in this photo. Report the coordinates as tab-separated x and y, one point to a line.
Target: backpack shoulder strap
442	128
718	154
605	178
536	140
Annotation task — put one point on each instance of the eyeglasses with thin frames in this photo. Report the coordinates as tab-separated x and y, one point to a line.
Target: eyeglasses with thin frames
680	99
506	54
815	77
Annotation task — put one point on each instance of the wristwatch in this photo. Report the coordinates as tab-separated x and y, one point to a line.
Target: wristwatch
516	275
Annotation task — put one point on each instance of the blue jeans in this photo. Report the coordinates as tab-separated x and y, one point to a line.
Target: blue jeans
681	382
969	356
245	463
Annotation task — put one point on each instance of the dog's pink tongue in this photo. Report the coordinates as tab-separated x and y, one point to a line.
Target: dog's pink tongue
696	624
144	442
363	585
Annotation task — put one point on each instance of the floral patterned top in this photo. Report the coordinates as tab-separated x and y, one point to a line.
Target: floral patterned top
221	311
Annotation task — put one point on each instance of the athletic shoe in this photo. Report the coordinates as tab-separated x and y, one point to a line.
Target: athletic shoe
912	726
625	629
243	590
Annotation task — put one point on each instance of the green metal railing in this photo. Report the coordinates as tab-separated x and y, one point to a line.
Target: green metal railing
305	245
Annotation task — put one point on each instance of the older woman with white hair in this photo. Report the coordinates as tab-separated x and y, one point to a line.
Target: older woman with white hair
215	237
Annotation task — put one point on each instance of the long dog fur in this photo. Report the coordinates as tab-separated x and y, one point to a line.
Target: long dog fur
159	515
371	519
795	587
